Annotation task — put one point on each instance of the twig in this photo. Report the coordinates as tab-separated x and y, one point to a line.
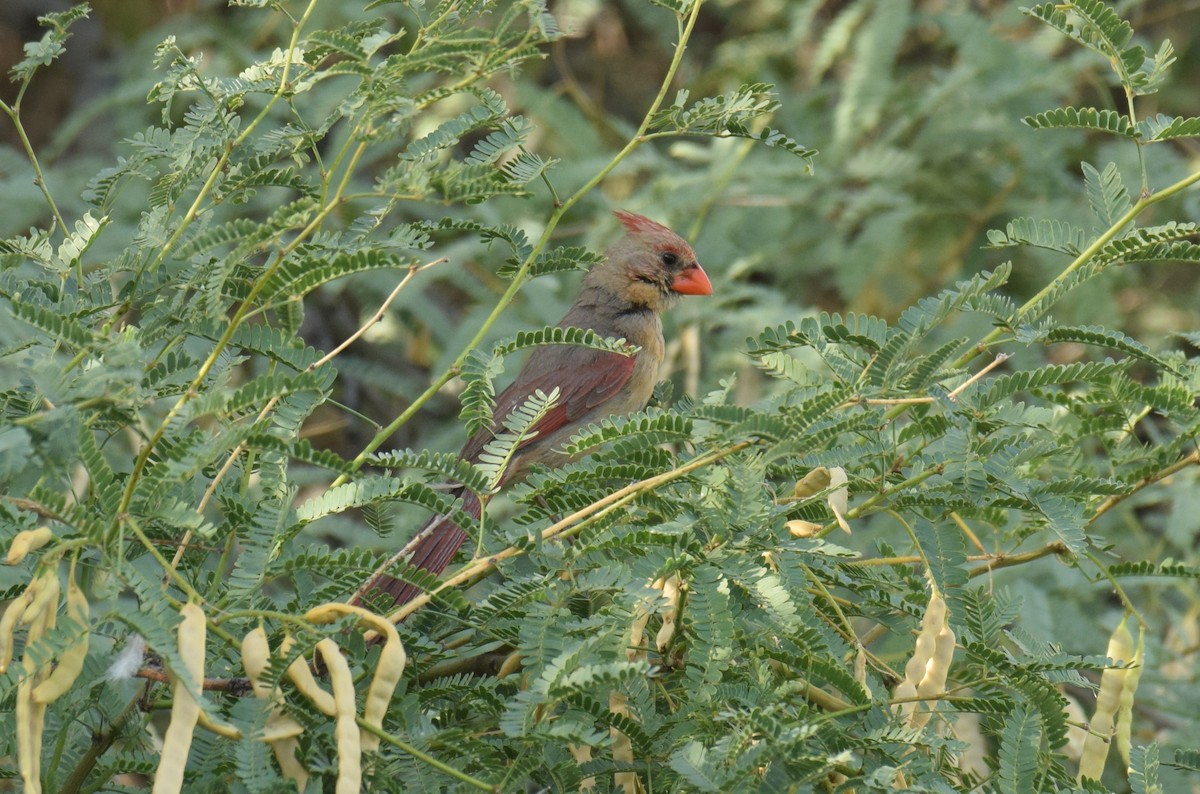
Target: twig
1007	560
997	361
325	359
234	686
1146	481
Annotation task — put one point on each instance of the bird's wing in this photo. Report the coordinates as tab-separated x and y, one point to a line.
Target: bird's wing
585	379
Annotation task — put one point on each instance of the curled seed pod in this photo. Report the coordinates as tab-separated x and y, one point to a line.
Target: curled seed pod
26	541
1108	700
388	668
1128	690
185	708
349	743
219	728
70	662
304	682
8	623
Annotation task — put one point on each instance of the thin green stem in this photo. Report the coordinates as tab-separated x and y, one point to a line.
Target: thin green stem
219	165
1104	239
1116	586
425	758
518	280
14	114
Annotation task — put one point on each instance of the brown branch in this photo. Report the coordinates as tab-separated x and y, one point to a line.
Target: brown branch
1145	482
1058	548
234	686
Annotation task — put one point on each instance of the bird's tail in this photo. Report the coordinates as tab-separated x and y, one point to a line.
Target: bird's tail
437	543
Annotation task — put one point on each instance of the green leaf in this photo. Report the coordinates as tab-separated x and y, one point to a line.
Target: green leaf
1082	118
51	46
1166	128
1050	234
1143	770
1018	752
1106	193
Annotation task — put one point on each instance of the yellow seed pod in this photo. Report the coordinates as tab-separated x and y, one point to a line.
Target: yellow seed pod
70	662
46	599
1108	700
26	541
839	497
31	715
802	529
8	623
302	677
256	653
185	708
349	741
388	669
814	482
280	730
1128	690
671	591
927	669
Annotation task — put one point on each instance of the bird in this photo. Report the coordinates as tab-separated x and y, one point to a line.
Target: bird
623	296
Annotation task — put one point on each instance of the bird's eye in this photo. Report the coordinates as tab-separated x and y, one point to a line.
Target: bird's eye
669	258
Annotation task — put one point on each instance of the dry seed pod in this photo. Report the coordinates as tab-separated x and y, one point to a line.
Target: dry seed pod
70	662
1128	690
185	708
26	541
1108	700
927	669
349	747
46	599
671	590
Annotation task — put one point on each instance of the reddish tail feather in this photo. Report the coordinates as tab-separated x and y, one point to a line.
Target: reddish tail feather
432	553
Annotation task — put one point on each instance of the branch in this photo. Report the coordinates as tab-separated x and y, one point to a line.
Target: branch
566	527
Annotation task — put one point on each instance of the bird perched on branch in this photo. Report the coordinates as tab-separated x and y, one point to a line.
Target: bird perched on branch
624	297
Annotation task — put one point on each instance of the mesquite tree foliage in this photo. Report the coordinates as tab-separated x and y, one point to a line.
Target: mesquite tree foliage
678	610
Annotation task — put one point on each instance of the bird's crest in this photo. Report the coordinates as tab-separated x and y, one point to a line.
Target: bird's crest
640	224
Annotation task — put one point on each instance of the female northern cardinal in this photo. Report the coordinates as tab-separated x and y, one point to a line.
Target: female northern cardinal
623	297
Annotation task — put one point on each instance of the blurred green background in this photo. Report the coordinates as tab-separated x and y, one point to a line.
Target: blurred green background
914	106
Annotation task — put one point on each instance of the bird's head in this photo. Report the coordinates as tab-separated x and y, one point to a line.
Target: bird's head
652	265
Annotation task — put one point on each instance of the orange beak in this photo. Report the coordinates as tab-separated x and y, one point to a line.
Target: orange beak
693	281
